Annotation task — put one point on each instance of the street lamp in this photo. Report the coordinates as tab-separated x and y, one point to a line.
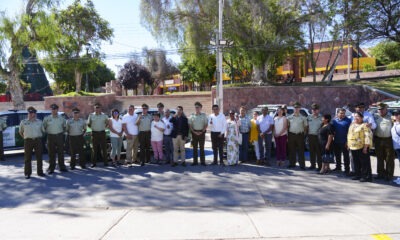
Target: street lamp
87	80
358	58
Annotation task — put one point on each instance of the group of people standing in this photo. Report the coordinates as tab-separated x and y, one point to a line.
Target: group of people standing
166	134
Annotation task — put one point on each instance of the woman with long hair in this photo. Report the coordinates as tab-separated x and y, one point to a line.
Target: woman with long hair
115	126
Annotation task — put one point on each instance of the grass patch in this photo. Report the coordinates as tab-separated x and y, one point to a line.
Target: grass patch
389	85
79	94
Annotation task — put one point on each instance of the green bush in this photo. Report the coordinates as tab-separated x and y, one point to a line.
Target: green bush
368	68
393	65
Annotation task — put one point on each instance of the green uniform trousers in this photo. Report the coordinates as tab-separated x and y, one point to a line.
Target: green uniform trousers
315	151
76	144
55	144
99	144
296	147
385	157
31	144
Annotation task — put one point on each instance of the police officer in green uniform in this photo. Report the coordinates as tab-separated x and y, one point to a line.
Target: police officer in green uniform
144	124
54	126
297	126
198	123
3	126
314	124
31	131
76	129
98	122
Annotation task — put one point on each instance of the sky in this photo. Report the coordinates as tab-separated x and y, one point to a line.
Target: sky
124	18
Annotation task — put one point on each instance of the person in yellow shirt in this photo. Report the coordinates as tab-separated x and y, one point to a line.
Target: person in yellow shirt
254	135
359	140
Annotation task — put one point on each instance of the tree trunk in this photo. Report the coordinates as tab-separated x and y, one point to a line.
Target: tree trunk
15	88
259	75
78	80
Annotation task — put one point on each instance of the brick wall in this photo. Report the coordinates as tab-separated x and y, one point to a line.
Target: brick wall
329	98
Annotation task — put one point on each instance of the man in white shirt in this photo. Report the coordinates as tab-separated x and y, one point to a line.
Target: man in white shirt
131	133
168	144
265	125
217	123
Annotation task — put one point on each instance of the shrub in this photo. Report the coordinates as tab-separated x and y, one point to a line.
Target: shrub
368	68
393	65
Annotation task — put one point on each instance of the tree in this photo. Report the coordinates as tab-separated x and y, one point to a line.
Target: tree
63	75
81	27
386	52
383	19
199	71
261	30
133	74
34	29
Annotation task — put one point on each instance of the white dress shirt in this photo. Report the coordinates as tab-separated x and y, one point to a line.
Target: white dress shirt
217	123
265	122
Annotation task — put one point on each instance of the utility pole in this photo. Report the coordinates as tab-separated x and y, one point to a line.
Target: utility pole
220	95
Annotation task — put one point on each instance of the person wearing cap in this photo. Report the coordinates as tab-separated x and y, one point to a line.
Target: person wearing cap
3	126
31	130
54	126
314	122
131	132
265	125
76	129
98	122
160	107
198	126
297	125
179	135
167	139
244	129
115	126
395	131
340	128
383	143
144	125
157	131
217	123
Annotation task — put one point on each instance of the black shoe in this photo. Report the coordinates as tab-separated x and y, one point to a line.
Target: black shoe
290	166
203	164
183	164
214	163
337	169
388	179
50	171
379	177
72	168
311	168
222	164
2	159
63	170
347	174
83	167
174	164
142	164
41	174
365	179
303	168
105	164
194	164
356	178
93	166
27	176
318	169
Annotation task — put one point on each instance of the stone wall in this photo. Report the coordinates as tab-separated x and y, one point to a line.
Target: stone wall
329	98
4	106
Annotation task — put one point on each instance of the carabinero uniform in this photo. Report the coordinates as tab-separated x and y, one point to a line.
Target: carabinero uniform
54	126
76	129
98	124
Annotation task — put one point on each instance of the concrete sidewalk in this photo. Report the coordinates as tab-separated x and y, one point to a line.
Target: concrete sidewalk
213	202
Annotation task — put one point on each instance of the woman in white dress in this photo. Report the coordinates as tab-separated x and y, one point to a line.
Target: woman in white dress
232	136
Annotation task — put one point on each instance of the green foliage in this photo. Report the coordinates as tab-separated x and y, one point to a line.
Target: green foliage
368	68
81	93
198	70
3	87
386	52
394	65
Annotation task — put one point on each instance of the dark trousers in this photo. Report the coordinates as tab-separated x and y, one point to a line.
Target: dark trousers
385	157
169	148
265	155
99	144
362	164
30	145
144	142
198	142
76	144
1	146
296	147
315	151
244	148
55	144
217	144
339	149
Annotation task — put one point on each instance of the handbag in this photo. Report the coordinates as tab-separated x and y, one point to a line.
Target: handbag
328	158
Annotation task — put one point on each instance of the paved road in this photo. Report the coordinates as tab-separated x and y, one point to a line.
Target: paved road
213	202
